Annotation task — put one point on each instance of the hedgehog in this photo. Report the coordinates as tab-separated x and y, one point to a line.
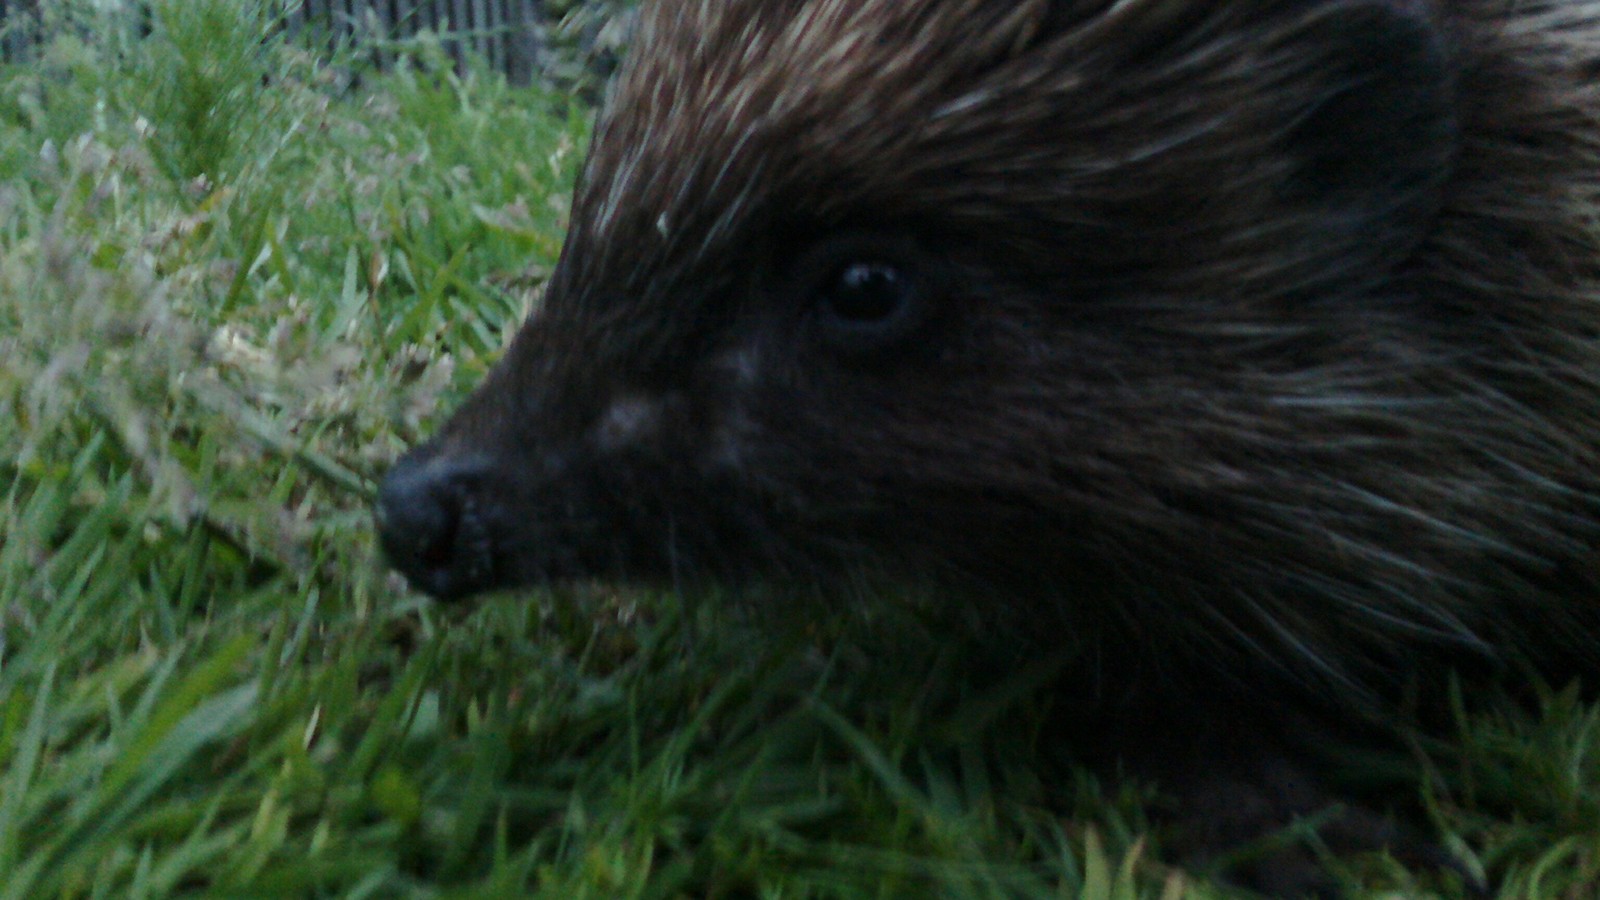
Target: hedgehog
1246	353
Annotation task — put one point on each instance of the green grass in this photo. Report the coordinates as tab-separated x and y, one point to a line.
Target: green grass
230	292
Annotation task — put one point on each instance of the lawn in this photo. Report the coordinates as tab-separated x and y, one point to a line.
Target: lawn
235	281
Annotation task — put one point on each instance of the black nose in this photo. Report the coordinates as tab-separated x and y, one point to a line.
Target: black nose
432	522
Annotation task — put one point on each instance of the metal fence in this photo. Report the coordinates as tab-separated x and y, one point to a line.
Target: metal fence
16	31
505	33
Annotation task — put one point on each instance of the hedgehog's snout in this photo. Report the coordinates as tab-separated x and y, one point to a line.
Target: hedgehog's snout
432	522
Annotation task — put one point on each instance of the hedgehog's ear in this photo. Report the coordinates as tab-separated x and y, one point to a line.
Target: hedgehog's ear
1374	152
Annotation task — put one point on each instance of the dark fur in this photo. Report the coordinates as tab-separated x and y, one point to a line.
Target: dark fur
1262	347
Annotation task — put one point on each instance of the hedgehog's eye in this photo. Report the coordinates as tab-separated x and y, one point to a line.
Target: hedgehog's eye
866	303
867	296
863	292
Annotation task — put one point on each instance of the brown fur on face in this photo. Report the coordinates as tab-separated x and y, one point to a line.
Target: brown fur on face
1260	334
1269	326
